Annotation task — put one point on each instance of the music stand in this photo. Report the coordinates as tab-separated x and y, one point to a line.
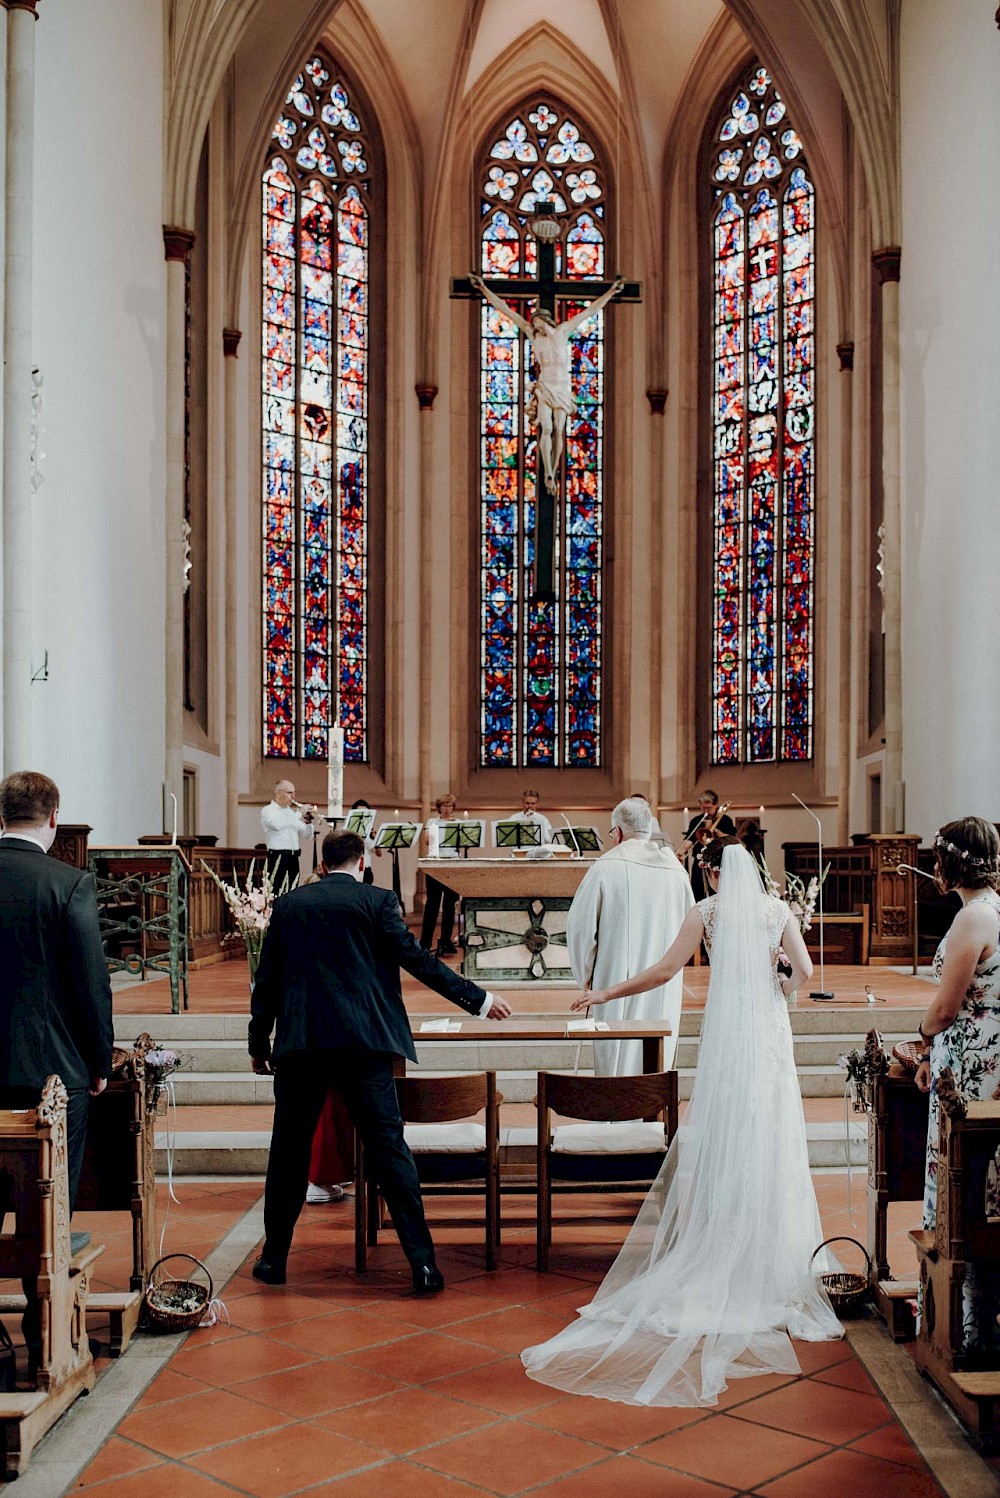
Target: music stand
580	839
517	834
361	820
462	834
392	836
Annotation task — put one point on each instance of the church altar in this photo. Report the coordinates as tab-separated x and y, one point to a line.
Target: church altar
514	913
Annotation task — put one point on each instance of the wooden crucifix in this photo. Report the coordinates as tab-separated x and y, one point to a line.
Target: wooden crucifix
553	395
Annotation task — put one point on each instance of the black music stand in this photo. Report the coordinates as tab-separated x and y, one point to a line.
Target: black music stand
392	836
517	834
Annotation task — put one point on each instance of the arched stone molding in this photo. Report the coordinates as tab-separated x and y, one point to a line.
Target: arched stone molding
726	51
543	60
849	47
356	46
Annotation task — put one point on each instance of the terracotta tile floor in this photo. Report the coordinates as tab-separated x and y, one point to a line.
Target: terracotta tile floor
351	1388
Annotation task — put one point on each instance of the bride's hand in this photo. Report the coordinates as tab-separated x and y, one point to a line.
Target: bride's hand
587	998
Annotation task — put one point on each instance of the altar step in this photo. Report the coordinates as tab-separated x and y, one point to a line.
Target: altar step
243	1152
218	1076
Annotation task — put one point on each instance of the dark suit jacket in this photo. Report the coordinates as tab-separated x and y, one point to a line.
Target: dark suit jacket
55	997
329	973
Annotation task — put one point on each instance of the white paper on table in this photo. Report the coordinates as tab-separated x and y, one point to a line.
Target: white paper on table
574	1026
439	1026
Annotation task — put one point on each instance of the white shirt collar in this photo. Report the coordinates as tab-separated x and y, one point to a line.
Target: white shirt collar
26	837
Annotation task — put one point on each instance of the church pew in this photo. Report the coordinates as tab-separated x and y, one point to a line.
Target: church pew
35	1182
897	1136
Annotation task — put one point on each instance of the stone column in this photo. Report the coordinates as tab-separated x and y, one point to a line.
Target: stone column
845	353
19	195
886	263
656	395
230	344
425	399
177	244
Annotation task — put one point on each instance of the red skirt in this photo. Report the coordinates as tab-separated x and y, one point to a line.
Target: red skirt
332	1160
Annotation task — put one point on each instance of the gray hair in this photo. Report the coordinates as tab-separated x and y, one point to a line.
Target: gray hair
633	817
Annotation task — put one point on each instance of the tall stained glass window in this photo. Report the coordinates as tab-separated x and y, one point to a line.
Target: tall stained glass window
541	663
315	396
763	431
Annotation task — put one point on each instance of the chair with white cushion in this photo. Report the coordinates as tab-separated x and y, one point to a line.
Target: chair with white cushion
454	1153
630	1123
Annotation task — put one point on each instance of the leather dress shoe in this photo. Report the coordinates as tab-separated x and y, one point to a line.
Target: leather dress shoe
271	1274
427	1280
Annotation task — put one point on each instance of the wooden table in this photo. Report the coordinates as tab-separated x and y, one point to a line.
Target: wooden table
514	912
508	1030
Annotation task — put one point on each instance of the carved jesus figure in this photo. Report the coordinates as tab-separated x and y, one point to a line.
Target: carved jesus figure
553	394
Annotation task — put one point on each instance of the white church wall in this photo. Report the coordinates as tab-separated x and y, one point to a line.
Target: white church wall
99	296
950	400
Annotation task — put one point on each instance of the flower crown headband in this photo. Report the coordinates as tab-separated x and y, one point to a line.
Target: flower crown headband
976	865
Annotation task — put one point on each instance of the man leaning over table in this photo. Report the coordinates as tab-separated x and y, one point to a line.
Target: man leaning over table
328	984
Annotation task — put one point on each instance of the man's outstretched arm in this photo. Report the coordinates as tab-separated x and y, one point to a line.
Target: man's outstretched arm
430	971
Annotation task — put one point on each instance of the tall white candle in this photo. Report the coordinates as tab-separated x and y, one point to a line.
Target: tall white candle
335	773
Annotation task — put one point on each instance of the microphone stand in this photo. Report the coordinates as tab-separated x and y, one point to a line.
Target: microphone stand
823	993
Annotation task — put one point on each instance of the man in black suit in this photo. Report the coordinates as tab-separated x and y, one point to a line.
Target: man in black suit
55	997
328	977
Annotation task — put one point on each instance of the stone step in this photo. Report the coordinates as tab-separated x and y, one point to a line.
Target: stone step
811	1050
849	1023
244	1152
517	1083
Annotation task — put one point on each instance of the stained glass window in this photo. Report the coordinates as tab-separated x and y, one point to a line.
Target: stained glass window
541	663
315	398
764	362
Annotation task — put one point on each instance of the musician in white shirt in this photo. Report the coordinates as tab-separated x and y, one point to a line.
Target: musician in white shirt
529	813
286	825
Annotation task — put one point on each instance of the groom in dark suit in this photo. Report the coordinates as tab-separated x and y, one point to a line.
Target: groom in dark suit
328	978
55	997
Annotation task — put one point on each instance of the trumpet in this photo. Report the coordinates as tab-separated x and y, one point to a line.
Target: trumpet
304	807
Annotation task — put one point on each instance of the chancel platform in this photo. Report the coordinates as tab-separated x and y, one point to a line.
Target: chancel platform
514	914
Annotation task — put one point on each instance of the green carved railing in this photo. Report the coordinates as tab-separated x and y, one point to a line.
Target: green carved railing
142	901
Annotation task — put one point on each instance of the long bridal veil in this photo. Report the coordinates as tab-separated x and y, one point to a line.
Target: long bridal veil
715	1272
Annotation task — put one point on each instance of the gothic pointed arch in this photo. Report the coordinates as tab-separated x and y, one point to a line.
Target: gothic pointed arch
322	262
758	509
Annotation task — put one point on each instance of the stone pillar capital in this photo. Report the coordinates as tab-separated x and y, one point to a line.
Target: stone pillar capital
177	243
657	397
28	5
845	353
425	396
886	262
231	342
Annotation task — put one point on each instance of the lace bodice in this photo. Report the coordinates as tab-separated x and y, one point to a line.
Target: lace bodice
776	913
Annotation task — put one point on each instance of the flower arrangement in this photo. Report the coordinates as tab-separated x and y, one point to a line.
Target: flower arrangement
160	1064
863	1068
250	906
800	896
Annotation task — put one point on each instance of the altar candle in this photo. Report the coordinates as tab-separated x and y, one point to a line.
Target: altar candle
761	810
686	816
335	773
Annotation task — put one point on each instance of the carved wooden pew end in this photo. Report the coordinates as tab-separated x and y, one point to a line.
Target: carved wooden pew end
33	1156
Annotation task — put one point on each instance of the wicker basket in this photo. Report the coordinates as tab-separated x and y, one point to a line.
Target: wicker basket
848	1292
163	1311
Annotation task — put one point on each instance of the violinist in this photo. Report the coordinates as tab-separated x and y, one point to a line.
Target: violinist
710	819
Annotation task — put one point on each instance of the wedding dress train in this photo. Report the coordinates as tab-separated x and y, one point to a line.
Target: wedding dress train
715	1275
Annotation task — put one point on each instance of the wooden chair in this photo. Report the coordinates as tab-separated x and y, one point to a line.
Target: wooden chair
451	1150
35	1183
967	1233
638	1119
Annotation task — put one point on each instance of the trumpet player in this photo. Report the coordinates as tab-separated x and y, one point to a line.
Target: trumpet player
287	824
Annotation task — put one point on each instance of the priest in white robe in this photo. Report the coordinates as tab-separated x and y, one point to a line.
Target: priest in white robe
624	916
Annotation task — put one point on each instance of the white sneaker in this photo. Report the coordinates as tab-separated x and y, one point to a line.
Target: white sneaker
319	1196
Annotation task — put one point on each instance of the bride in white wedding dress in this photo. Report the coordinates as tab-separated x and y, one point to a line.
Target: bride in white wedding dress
716	1274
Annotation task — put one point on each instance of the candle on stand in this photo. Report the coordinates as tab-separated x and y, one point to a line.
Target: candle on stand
760	810
335	774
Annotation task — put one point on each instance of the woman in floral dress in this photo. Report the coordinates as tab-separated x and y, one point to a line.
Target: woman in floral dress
962	1024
